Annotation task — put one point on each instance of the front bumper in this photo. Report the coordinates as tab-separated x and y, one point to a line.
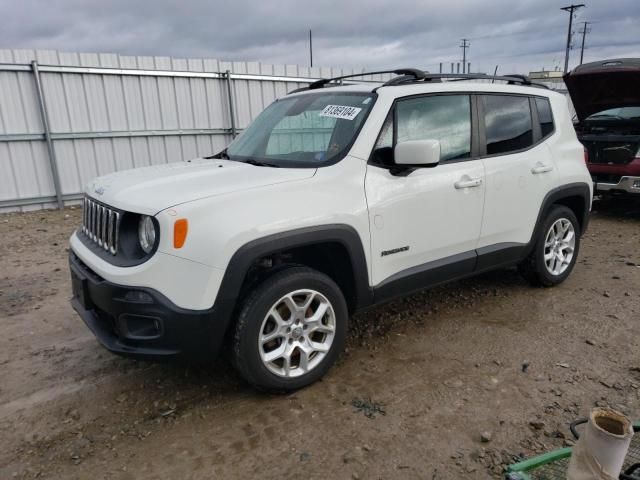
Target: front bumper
141	322
626	184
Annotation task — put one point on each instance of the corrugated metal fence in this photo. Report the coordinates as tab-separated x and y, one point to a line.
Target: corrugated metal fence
68	117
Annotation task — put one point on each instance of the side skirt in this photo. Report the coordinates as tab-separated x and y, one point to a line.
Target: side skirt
500	255
456	267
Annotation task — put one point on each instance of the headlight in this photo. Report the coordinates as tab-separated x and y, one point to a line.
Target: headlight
146	233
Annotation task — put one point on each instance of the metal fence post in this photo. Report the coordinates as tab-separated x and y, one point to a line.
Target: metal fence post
47	134
232	113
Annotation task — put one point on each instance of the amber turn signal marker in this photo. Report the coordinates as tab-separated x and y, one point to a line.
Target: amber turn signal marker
180	229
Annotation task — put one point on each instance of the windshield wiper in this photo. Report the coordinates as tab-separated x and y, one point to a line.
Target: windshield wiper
251	161
258	163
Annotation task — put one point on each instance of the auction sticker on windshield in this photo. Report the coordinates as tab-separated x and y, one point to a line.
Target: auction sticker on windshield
340	111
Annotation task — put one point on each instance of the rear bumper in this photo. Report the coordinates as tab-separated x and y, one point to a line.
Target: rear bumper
626	184
141	322
617	177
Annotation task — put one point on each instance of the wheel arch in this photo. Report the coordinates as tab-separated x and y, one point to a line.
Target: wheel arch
575	196
336	250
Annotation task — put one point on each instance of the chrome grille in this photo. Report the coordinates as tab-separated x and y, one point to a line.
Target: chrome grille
101	225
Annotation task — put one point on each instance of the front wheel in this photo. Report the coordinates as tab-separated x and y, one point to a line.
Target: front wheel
290	330
556	249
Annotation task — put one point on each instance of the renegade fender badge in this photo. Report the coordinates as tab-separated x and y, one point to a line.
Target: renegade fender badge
384	253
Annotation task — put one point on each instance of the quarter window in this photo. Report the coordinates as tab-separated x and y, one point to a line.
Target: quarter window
507	120
545	117
446	118
385	139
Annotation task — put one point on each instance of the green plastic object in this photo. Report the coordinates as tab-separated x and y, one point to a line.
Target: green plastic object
551	465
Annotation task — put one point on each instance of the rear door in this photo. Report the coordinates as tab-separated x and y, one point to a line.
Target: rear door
519	169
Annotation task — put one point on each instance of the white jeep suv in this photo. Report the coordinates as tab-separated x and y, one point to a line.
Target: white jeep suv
336	198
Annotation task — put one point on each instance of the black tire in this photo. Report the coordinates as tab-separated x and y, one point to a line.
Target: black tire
533	268
245	351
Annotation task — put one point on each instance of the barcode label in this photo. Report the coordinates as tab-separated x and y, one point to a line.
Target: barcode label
340	111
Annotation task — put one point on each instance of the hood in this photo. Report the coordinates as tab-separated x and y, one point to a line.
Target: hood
150	190
599	86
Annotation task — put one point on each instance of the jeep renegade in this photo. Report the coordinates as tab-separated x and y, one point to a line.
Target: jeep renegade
336	198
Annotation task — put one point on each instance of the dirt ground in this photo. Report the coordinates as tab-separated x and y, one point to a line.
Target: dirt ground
423	380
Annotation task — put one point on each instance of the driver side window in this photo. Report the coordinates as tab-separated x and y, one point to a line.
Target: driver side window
446	118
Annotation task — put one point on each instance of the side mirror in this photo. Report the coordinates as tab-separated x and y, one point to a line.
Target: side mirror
417	152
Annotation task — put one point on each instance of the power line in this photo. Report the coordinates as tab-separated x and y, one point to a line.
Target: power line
585	29
464	46
570	9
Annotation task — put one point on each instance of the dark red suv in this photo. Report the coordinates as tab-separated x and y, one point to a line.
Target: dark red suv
606	97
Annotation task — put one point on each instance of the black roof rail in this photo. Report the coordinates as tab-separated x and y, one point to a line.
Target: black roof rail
413	73
437	77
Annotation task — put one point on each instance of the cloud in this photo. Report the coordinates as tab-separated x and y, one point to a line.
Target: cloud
517	35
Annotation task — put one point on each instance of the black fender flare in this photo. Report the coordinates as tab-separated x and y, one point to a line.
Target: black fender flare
578	189
245	256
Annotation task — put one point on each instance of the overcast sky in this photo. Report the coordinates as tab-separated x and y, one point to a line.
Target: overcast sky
519	35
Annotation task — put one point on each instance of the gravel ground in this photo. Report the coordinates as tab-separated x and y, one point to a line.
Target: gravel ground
453	382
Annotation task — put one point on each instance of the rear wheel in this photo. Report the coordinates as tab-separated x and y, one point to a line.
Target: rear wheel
555	252
290	330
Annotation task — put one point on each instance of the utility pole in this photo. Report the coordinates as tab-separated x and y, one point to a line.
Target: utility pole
310	49
571	8
585	29
464	46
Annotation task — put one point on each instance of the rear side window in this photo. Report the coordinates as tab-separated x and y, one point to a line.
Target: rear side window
508	126
545	117
446	118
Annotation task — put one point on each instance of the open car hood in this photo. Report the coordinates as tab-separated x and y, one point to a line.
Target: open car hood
599	86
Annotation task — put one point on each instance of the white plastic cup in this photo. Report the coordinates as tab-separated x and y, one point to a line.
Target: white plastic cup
600	452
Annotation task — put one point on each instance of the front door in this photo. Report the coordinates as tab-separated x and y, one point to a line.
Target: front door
428	219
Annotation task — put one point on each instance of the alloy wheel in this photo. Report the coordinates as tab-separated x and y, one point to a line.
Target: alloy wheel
297	333
559	246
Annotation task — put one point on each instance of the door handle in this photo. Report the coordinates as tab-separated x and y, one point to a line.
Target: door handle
466	182
541	168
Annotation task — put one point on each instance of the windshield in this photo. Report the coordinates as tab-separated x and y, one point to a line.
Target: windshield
622	113
303	131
